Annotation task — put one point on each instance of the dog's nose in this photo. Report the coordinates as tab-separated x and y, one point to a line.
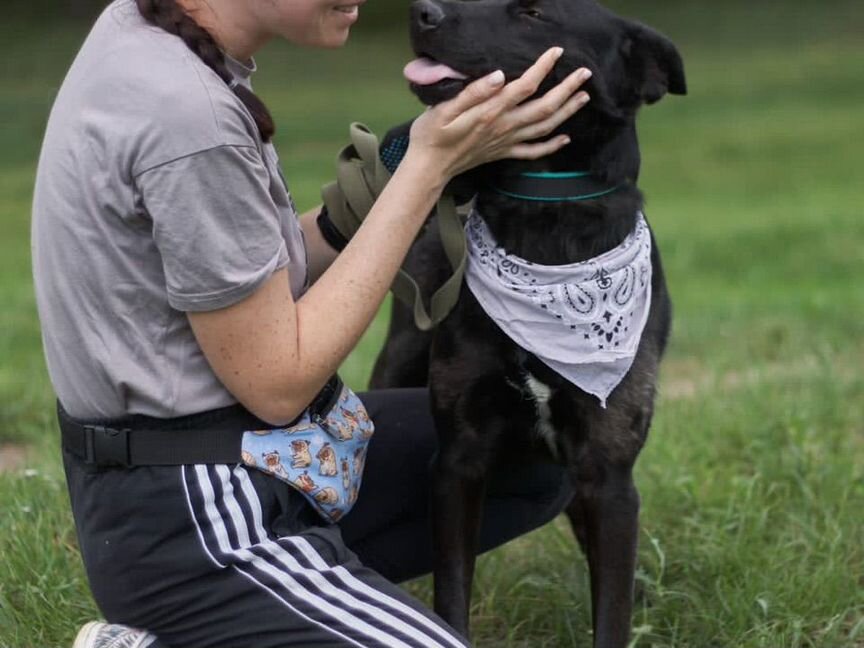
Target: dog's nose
426	14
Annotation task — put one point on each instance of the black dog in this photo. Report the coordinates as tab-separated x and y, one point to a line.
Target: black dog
490	396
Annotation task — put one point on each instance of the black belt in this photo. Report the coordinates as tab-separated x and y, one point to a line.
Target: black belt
212	437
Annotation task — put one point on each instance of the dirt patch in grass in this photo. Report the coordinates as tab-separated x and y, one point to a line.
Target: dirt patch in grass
12	457
686	379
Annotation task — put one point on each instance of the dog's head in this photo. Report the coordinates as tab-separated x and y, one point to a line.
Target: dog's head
458	41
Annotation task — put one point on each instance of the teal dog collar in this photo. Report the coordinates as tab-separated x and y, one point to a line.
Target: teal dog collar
553	186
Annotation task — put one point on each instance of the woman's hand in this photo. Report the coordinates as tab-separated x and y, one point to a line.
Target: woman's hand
488	120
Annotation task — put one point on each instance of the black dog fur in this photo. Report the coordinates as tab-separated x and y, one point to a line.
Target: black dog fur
483	409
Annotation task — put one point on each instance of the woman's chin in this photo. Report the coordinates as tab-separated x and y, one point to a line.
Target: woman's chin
336	32
329	39
336	40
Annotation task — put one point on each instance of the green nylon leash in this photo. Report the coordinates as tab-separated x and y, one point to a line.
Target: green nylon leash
360	178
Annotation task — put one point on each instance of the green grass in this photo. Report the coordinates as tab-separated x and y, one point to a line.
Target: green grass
753	479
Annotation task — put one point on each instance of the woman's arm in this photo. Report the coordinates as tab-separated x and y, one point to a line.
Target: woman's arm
274	354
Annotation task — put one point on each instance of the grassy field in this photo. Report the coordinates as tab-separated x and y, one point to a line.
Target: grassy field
753	479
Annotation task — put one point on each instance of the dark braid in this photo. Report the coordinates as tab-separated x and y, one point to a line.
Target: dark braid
168	15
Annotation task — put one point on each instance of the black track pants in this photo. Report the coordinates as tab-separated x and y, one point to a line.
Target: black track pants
225	556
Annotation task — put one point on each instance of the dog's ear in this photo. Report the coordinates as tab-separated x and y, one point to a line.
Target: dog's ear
656	66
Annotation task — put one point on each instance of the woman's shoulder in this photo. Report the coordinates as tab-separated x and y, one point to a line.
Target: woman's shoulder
146	88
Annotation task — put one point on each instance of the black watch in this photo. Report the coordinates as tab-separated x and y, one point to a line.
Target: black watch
331	234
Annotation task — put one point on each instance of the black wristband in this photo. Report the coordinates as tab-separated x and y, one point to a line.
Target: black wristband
333	236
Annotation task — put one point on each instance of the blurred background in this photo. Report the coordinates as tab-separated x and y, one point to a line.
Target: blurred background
753	478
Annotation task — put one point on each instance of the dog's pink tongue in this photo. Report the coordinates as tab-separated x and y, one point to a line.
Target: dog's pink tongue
424	71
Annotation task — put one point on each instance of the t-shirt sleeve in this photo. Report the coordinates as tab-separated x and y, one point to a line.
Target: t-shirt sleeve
215	225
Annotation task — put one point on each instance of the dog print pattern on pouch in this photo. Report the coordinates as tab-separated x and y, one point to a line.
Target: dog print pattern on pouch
321	456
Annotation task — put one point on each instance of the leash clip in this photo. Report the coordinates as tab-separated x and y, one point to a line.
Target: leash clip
104	446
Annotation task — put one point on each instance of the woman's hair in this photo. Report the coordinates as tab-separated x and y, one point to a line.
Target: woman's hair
168	15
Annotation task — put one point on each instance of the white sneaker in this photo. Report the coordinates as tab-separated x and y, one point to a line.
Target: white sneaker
104	635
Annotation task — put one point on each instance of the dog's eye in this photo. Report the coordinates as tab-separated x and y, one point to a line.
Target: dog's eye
530	12
528	8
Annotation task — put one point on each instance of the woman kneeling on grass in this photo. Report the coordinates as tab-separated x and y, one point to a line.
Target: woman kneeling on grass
183	302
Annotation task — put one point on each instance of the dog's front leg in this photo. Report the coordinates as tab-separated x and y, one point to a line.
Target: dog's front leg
605	517
610	509
469	419
600	451
457	511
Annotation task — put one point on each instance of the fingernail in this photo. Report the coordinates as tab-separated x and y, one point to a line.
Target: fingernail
583	98
585	74
558	52
565	141
496	78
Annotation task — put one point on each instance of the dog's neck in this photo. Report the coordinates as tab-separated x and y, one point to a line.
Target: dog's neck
567	231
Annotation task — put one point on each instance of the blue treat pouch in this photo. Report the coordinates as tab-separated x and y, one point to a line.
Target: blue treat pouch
322	454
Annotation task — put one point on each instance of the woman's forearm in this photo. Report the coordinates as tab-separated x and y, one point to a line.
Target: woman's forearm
348	294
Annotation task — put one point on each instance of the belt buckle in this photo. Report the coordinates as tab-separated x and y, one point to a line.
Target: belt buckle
105	446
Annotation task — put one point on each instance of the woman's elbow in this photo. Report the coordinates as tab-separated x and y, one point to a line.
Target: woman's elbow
274	415
279	404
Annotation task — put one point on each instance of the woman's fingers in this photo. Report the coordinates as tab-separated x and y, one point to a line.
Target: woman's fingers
537	150
546	106
472	95
558	117
526	85
471	104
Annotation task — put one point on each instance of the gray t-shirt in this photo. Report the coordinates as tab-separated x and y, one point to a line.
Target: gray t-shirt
154	196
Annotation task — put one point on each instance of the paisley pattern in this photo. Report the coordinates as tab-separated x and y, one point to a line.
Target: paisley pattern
321	456
584	319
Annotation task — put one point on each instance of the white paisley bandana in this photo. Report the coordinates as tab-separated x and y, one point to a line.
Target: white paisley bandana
584	319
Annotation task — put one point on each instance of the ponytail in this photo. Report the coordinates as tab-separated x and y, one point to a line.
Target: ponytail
168	15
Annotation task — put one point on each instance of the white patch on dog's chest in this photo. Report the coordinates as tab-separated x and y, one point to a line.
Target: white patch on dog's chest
542	393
